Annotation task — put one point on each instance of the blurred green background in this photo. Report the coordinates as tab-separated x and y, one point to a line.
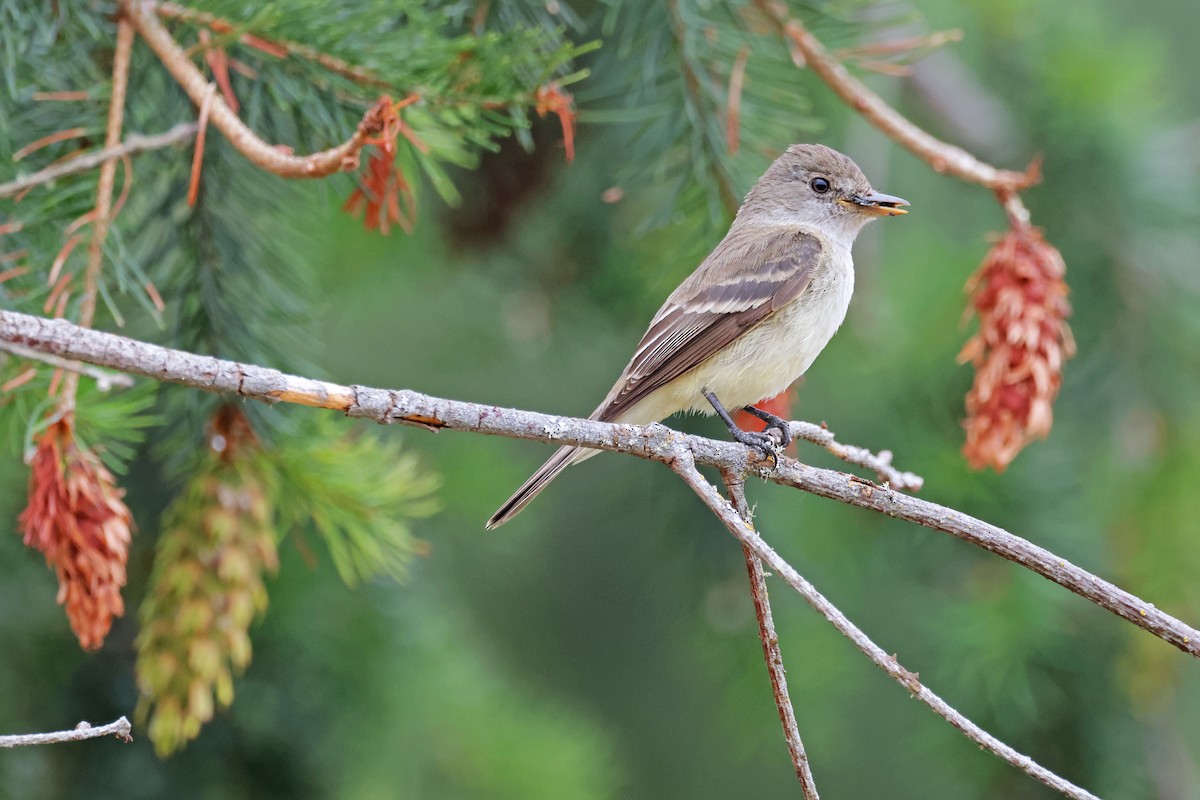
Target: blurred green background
603	645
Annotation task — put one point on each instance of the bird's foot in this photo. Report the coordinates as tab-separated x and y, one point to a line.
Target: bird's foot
774	423
762	441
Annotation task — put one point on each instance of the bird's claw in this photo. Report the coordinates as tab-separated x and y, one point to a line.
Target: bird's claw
762	441
774	423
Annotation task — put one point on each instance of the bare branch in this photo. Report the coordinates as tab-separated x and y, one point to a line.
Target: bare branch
133	145
655	442
770	642
864	494
942	156
120	728
880	463
317	165
685	466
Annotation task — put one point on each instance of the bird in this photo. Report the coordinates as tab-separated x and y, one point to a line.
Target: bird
754	315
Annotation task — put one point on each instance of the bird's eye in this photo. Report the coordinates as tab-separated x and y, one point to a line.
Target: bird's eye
819	185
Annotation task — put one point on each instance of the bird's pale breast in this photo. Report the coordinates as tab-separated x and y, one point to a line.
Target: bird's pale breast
766	359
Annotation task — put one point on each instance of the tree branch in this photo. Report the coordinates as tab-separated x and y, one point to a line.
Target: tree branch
120	728
770	643
655	442
133	144
685	466
317	165
880	463
942	156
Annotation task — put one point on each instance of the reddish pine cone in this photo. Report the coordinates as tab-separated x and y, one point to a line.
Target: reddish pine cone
77	519
1018	353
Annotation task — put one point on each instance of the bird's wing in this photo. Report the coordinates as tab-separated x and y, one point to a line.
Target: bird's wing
760	274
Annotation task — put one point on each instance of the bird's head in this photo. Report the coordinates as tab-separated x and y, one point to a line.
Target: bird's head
815	186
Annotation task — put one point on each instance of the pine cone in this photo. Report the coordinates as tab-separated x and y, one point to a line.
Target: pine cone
1018	353
77	519
206	589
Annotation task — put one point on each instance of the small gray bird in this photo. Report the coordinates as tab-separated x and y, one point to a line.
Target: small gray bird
753	317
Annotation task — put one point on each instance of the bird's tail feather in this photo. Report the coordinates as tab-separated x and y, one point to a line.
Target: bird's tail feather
565	457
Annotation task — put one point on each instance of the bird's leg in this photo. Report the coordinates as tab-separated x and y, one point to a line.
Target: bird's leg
759	440
778	423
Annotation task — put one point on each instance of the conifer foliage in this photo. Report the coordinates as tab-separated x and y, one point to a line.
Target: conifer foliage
187	238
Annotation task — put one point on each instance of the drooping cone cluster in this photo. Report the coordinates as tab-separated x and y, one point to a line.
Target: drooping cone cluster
218	542
77	519
1018	353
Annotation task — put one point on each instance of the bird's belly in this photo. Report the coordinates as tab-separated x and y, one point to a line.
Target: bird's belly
765	360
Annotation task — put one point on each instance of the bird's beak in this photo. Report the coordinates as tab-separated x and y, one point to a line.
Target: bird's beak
885	205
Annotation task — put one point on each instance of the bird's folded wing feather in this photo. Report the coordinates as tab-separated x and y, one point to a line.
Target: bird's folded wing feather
760	273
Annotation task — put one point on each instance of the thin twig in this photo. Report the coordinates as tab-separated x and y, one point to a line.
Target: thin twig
108	172
120	728
105	379
942	156
733	111
1018	214
336	65
198	151
905	46
880	463
655	442
104	192
70	97
344	157
46	141
685	466
133	144
770	643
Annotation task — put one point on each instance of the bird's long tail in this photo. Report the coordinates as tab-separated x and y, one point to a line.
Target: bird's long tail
565	457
